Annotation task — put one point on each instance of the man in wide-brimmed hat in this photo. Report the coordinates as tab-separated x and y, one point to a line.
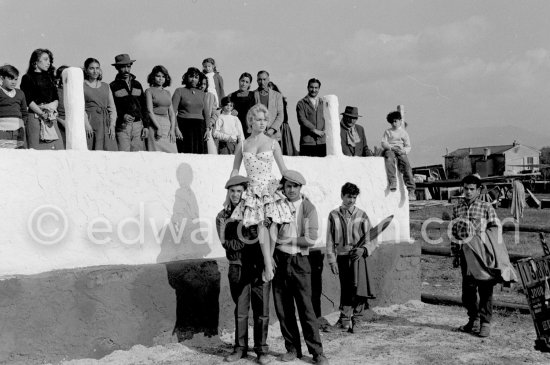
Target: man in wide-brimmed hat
354	142
130	106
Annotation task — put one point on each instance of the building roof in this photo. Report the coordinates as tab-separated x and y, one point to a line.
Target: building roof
479	151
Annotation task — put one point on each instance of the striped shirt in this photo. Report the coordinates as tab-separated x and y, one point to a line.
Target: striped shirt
344	230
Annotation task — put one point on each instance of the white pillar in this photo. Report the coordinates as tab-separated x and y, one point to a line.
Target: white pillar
332	125
73	97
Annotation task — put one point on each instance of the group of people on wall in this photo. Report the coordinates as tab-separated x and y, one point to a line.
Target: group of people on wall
198	118
267	227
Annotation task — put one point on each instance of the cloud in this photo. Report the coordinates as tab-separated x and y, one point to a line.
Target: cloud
444	61
381	55
159	43
453	38
524	71
368	51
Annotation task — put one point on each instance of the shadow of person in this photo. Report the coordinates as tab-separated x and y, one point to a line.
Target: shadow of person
195	279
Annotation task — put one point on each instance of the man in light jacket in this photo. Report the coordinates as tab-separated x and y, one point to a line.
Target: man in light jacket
273	100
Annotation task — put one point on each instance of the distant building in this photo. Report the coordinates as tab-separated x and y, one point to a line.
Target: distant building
491	160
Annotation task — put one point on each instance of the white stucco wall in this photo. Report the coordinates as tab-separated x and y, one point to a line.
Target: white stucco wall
44	192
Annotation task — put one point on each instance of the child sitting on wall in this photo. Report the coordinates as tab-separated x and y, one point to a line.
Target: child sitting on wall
397	144
227	129
346	225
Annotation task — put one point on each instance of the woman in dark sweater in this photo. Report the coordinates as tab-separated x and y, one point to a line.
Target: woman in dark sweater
287	141
243	100
192	110
41	94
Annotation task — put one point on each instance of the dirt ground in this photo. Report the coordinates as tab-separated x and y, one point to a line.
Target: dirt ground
413	333
438	277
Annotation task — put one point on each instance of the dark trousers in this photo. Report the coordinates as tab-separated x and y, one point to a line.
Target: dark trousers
247	287
315	150
403	166
477	295
193	131
292	282
226	148
316	261
351	305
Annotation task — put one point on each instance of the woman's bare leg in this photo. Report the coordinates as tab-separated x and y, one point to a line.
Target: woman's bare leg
265	244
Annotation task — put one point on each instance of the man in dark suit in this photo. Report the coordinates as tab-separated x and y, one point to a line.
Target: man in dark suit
312	122
352	136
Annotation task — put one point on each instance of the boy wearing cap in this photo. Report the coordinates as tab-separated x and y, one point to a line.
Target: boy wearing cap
397	145
246	265
292	281
346	225
130	106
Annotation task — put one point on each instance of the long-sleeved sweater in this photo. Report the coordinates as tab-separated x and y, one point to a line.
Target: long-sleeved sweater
398	137
15	107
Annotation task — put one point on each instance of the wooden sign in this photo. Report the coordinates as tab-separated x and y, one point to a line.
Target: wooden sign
535	277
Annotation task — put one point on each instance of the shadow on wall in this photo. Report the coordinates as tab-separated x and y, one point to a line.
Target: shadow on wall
195	280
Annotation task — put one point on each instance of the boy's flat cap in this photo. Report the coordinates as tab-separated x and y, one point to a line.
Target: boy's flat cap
294	176
236	180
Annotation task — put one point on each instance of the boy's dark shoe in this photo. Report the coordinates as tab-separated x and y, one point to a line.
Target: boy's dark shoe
346	327
342	326
320	360
263	359
357	327
324	326
289	356
485	330
471	327
236	355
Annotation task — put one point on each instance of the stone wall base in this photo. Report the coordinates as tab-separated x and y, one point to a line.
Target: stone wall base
90	312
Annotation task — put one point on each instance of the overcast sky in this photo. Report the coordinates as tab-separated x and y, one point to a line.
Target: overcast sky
453	64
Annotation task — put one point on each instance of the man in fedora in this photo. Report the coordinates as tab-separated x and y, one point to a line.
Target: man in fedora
130	106
354	142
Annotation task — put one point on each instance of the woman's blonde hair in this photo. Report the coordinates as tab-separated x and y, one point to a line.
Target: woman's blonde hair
252	112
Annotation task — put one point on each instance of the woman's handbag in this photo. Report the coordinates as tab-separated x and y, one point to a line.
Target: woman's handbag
47	126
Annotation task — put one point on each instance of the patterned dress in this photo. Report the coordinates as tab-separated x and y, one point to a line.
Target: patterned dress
263	198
